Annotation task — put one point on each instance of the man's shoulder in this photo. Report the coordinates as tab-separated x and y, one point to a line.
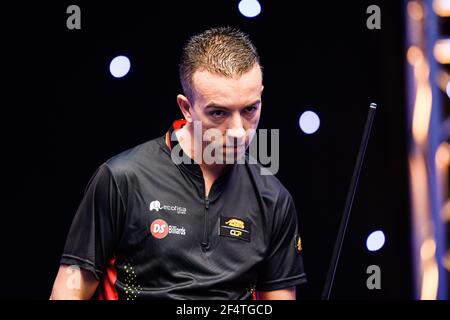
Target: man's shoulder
276	200
266	181
139	157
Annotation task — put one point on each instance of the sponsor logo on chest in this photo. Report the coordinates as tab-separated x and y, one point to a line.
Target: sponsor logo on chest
156	206
160	229
234	228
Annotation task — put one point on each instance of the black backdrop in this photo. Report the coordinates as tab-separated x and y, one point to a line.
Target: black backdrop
63	114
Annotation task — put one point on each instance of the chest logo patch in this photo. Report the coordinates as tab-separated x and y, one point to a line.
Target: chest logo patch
160	229
234	228
156	206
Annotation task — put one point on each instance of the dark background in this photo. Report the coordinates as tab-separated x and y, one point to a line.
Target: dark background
63	114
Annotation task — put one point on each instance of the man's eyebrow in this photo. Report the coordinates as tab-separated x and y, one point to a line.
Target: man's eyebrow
254	103
218	106
215	106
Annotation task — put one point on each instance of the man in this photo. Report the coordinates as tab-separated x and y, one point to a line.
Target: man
153	227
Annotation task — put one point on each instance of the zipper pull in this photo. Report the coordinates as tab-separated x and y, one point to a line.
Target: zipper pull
207	203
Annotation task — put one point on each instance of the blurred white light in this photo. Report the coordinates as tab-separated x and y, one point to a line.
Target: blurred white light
375	240
249	8
448	89
441	51
309	122
442	7
119	66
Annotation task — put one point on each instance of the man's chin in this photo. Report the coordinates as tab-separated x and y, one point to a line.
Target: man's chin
234	154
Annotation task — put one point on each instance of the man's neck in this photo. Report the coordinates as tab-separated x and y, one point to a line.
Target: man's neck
210	171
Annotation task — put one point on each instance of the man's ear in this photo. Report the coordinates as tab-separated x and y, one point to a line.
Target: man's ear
262	88
185	107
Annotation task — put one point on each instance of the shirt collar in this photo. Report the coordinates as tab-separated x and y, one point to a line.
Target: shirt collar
191	167
171	141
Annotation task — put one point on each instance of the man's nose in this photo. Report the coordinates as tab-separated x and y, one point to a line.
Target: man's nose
236	123
236	130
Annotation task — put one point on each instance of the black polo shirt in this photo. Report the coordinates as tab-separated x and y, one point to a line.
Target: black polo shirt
147	231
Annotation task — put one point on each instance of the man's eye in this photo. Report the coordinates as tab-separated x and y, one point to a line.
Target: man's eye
250	109
217	113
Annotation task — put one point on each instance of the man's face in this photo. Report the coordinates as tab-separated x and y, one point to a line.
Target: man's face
230	105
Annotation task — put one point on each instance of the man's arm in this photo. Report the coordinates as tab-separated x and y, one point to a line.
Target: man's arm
92	238
73	283
283	294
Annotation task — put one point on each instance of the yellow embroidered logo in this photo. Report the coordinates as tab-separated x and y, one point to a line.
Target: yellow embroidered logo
298	243
236	233
235	223
235	228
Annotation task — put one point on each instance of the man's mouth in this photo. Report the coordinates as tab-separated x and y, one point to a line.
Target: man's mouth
235	147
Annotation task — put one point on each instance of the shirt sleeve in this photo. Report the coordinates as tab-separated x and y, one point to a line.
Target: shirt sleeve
283	264
94	233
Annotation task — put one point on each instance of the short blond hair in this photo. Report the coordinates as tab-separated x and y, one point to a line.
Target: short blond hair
224	50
